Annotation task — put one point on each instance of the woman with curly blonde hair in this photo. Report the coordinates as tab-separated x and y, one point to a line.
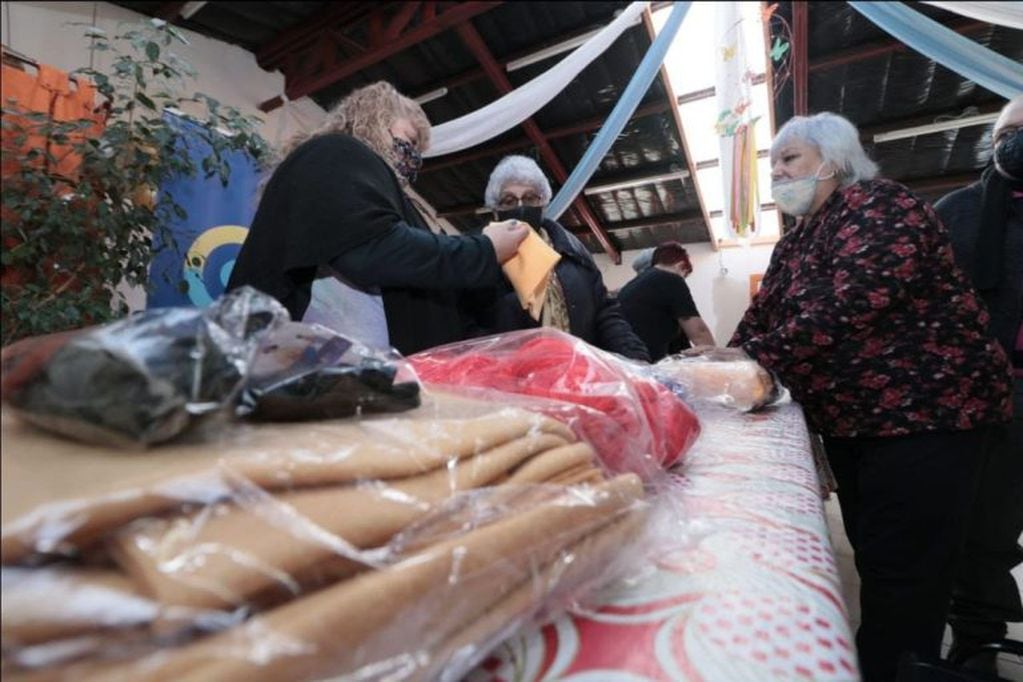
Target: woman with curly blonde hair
337	241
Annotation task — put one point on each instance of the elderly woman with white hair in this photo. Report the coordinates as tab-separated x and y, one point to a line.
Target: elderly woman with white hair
577	301
865	317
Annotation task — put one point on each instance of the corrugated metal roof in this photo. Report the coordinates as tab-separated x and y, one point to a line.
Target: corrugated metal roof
895	88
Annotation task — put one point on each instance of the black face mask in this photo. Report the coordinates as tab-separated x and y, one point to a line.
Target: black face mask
1009	156
527	214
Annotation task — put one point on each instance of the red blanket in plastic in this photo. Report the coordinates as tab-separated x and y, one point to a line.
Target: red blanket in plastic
634	422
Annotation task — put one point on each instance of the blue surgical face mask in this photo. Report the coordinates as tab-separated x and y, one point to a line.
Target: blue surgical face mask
795	197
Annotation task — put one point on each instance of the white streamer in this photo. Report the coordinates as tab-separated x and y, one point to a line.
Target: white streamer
512	109
1008	14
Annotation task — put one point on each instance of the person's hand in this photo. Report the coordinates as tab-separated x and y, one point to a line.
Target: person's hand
506	237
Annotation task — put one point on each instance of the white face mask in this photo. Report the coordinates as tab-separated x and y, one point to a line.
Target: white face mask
795	197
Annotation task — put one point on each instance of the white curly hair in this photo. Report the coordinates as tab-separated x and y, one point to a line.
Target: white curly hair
835	138
516	169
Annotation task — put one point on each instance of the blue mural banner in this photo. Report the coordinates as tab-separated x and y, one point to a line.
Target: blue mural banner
193	260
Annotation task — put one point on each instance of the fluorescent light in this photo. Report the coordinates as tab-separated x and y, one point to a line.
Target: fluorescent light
432	95
557	49
635	182
980	119
191	8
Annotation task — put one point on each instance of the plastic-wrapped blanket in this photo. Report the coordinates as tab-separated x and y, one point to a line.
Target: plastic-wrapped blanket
725	376
738	581
302	551
634	422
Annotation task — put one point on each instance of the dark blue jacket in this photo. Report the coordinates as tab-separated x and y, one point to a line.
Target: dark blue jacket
594	316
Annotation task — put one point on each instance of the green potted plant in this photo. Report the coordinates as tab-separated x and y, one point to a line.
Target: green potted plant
71	237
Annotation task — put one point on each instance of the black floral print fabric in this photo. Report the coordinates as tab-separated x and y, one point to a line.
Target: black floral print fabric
865	317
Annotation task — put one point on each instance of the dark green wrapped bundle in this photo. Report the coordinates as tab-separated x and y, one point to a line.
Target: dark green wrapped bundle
144	379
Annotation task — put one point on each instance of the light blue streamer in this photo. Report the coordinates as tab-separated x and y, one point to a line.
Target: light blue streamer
983	66
621	114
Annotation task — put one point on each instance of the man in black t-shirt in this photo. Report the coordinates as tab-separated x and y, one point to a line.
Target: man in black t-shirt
658	305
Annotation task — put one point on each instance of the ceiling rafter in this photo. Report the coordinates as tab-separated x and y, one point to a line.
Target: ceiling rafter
391	29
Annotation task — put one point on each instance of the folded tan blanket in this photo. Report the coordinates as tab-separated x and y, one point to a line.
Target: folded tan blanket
586	561
90	491
267	541
369	618
578	564
348	540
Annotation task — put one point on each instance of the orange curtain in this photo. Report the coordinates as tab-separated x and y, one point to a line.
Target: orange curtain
51	92
54	93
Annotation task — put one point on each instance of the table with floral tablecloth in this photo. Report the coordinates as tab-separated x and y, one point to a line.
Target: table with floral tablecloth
739	581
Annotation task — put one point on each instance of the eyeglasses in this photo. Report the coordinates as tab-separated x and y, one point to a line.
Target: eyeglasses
511	201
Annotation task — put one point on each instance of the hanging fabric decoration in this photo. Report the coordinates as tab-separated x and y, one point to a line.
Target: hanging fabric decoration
621	114
512	109
1008	14
735	124
983	66
62	99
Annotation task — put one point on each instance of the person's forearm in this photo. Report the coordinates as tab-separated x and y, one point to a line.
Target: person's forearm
697	331
408	257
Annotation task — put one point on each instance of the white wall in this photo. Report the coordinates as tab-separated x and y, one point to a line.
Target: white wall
721	298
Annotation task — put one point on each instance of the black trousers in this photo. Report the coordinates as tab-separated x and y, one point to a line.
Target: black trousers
985	594
905	502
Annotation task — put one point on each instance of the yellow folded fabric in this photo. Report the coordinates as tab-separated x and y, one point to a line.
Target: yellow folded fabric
529	272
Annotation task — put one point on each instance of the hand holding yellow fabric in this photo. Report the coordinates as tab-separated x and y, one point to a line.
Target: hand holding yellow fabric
529	272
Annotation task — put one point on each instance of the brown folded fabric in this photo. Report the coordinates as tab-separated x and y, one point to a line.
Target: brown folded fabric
235	552
552	463
578	476
368	618
58	494
556	582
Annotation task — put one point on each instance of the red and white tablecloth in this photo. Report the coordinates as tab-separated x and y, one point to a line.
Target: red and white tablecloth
740	582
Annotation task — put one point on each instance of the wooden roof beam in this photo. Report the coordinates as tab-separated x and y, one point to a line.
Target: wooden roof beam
377	52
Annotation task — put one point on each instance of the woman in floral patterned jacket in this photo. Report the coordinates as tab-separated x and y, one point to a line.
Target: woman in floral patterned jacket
864	316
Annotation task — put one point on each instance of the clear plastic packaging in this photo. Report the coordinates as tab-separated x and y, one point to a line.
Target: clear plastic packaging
144	379
305	372
384	548
149	378
723	376
634	422
736	581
